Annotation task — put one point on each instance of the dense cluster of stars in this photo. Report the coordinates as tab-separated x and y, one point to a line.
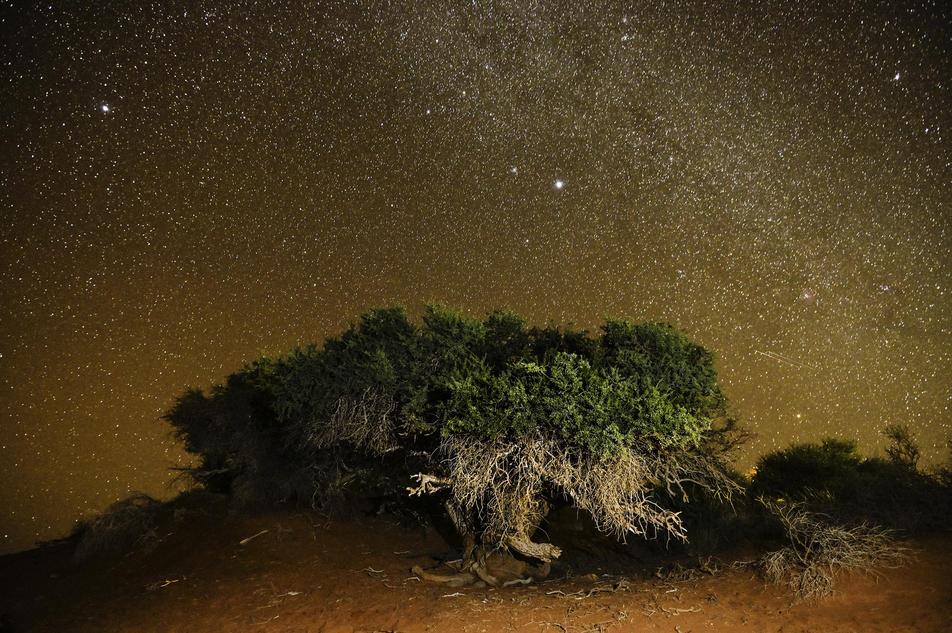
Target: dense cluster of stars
189	186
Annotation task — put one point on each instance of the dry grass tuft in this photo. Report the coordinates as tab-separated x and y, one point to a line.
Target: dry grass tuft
126	524
819	549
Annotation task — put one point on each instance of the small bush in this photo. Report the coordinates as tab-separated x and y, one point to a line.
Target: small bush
127	524
902	449
818	549
803	469
833	478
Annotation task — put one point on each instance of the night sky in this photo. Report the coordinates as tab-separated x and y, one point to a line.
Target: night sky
187	185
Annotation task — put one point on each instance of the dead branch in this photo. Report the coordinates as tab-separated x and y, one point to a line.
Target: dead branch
428	484
247	540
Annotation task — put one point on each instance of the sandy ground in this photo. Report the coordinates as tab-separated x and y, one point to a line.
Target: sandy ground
308	575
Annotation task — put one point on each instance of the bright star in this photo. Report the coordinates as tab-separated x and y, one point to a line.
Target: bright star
104	107
559	184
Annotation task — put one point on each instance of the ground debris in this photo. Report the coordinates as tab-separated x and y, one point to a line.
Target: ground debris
676	572
247	540
161	584
597	627
611	586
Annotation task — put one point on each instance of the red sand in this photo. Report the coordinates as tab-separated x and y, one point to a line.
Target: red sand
307	575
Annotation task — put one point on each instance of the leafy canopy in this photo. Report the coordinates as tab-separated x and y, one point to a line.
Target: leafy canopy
498	378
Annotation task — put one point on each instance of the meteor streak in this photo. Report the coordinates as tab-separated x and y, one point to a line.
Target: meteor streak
785	359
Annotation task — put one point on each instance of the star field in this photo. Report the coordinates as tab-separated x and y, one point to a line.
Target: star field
188	185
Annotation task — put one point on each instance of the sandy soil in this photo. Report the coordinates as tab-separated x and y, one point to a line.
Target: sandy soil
308	575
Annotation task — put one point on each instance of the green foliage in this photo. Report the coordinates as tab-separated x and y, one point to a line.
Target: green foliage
590	409
667	358
496	378
450	341
506	340
376	353
547	341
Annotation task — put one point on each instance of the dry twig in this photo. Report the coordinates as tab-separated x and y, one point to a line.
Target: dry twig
247	540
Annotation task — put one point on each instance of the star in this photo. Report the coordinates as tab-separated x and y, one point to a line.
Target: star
559	184
105	108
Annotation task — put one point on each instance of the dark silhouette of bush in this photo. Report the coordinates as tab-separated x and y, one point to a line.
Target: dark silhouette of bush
802	469
833	478
133	524
902	449
240	444
837	510
125	524
501	420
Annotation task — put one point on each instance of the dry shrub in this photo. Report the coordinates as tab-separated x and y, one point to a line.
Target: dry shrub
501	483
818	549
127	524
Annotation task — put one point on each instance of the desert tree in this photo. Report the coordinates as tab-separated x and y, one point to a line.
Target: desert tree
498	420
505	420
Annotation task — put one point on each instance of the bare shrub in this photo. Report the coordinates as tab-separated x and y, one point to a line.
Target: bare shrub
902	448
125	525
818	549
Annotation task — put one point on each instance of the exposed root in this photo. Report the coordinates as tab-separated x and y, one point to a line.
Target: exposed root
545	552
582	594
428	484
461	579
677	572
496	569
